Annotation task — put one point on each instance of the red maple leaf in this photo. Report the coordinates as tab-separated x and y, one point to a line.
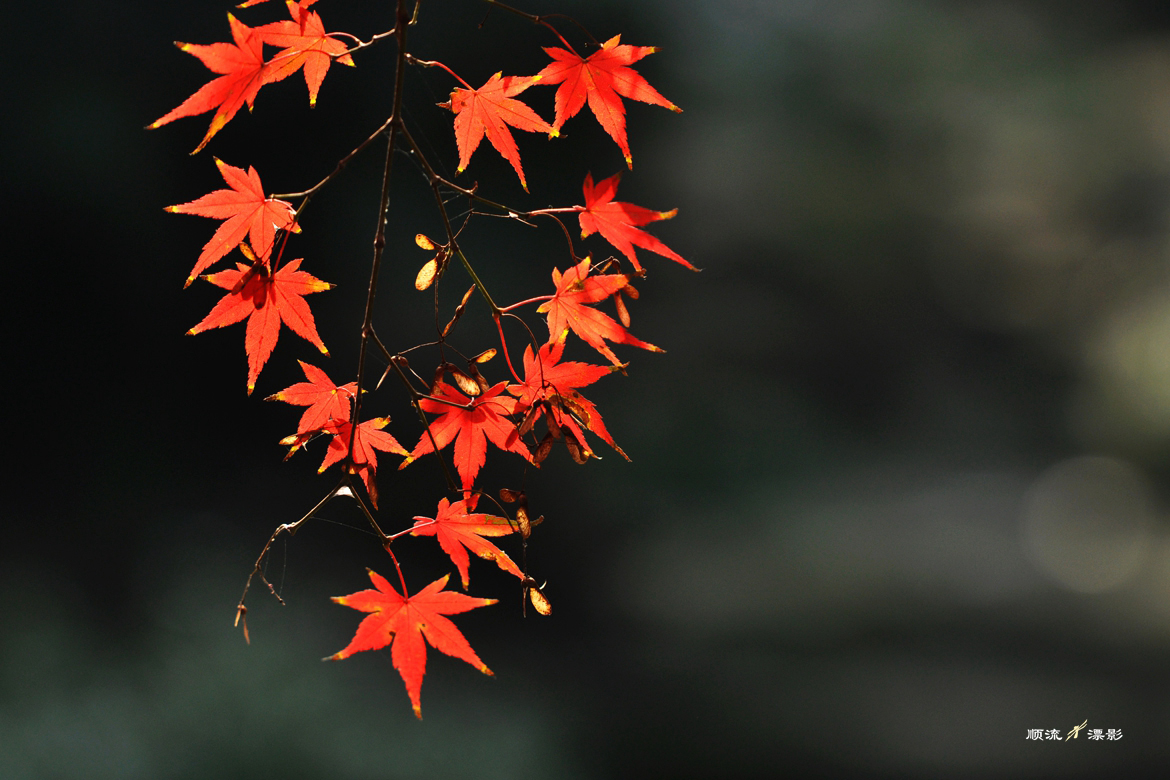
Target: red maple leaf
488	111
242	64
618	222
368	437
327	402
247	213
554	383
603	78
404	621
471	422
458	530
568	309
265	299
306	44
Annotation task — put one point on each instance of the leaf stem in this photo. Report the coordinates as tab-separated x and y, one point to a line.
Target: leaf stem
435	64
401	579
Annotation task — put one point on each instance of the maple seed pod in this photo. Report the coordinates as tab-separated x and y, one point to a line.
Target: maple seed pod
539	602
509	496
544	449
577	409
439	370
466	384
528	421
630	291
473	372
484	356
426	274
623	313
578	454
458	311
424	242
522	521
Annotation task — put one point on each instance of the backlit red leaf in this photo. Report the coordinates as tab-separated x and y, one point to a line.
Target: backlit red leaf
404	621
458	530
247	214
618	222
265	299
327	402
568	309
305	44
488	111
241	64
553	384
471	423
368	438
603	79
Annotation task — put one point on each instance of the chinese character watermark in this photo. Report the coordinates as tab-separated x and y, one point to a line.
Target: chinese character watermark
1092	734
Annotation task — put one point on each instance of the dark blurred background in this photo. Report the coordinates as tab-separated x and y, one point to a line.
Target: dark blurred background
899	485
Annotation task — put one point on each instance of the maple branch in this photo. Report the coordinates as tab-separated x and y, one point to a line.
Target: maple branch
540	19
291	529
435	181
521	216
478	284
307	194
414	401
348	488
394	123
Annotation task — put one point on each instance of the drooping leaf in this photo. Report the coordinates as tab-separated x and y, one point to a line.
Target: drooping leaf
459	530
265	299
305	44
404	621
368	438
246	211
618	223
327	402
603	79
241	64
569	309
551	386
488	111
471	423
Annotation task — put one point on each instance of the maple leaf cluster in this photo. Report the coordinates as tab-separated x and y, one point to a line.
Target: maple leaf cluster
244	69
459	408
